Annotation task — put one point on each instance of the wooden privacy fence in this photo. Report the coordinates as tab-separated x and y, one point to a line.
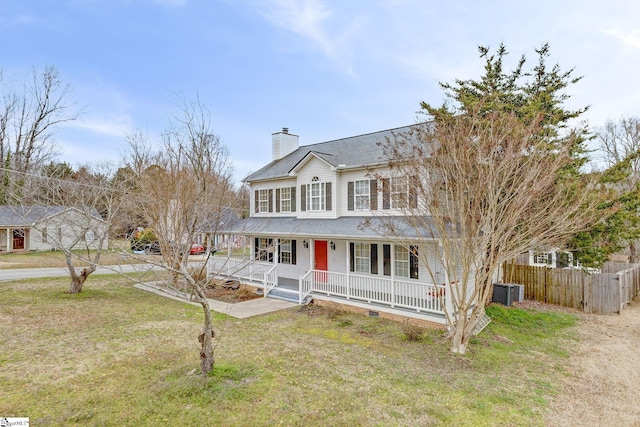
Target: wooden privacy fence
604	293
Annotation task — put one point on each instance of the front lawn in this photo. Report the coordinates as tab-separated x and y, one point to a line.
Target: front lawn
116	355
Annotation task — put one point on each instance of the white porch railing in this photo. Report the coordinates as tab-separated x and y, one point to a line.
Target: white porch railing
270	280
394	293
243	268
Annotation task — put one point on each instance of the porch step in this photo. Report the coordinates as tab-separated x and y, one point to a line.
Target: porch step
285	294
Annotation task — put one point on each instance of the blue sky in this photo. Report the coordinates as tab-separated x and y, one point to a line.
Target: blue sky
325	69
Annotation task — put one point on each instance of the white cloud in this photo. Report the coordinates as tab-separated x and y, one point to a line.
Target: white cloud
630	40
303	17
117	126
314	21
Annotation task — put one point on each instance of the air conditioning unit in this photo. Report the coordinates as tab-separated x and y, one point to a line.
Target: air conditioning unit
506	293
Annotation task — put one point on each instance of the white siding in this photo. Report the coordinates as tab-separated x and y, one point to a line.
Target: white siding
317	168
339	258
64	229
302	262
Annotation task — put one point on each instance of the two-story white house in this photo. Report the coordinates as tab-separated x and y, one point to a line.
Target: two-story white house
314	230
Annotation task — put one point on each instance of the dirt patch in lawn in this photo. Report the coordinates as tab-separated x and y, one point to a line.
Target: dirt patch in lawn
604	375
243	293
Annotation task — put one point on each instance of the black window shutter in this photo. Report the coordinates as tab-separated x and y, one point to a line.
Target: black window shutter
350	195
327	190
303	198
386	194
373	194
277	200
256	248
386	260
374	258
352	257
270	252
279	257
413	262
255	197
293	199
293	252
413	192
270	200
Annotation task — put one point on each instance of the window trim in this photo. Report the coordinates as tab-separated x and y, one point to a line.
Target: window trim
320	197
263	200
360	258
282	244
284	200
399	199
263	249
362	201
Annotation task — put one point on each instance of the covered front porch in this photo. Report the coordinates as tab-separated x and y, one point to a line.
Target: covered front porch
14	239
409	297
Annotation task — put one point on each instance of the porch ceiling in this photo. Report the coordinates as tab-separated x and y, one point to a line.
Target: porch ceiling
344	227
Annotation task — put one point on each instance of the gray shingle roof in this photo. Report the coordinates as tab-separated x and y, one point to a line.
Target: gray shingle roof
344	227
352	152
21	216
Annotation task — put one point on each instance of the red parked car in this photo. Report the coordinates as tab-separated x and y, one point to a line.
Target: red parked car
197	249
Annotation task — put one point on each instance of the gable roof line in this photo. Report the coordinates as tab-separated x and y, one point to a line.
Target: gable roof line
306	158
353	152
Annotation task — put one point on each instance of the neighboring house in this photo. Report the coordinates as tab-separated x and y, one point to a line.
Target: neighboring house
40	228
550	258
315	231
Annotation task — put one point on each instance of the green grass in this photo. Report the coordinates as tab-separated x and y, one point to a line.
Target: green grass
115	355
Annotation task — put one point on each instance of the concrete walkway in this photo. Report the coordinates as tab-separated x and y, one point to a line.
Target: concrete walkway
240	310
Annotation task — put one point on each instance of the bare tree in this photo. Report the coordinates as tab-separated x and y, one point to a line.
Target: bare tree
618	140
73	214
489	188
181	192
28	118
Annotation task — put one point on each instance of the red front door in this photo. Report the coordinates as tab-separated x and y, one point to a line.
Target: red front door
18	239
321	255
321	263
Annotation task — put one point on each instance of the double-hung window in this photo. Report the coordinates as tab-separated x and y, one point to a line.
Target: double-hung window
285	199
399	192
287	252
401	255
362	258
362	194
316	196
405	261
263	200
264	249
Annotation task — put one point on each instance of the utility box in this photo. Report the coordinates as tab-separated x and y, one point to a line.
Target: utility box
520	292
505	293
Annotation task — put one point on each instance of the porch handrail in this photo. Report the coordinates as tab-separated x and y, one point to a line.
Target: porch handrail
270	280
239	267
422	297
306	285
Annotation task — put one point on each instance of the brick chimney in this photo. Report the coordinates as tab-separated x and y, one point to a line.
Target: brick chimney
283	143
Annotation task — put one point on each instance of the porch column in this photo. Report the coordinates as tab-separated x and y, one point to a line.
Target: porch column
393	273
9	240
